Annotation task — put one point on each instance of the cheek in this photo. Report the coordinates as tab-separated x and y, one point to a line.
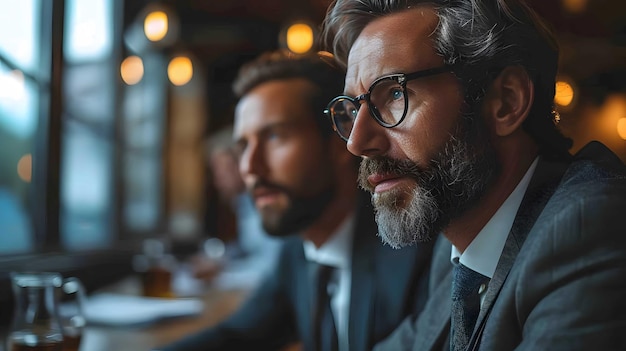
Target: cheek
422	140
427	129
303	171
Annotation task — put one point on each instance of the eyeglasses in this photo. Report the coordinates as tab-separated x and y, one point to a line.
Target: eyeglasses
386	100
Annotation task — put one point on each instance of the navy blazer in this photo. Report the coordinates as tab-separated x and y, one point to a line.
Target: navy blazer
560	282
387	285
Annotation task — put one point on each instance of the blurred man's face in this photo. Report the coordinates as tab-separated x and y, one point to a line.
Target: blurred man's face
428	170
284	161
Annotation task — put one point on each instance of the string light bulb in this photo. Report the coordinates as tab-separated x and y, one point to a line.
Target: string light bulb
300	38
180	70
564	93
156	25
132	70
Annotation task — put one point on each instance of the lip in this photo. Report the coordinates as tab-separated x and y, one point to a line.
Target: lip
383	182
265	196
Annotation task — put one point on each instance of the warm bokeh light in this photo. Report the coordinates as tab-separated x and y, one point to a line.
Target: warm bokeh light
25	168
131	70
621	128
609	119
180	70
575	6
156	25
299	38
564	94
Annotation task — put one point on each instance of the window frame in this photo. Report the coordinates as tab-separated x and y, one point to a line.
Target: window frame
96	268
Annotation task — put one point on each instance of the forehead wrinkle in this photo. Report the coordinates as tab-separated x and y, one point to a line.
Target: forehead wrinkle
355	77
379	42
361	74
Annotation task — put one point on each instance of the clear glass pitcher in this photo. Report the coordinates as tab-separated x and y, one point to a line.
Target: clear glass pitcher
42	321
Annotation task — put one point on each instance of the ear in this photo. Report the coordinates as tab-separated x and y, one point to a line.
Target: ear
508	100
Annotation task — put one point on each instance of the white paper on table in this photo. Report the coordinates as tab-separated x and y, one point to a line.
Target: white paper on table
123	310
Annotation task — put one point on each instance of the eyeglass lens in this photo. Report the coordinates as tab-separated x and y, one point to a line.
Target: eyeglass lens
387	105
343	113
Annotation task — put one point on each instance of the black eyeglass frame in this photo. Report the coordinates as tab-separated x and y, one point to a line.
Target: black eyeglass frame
401	79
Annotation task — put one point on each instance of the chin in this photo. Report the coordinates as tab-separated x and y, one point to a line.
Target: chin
407	218
396	199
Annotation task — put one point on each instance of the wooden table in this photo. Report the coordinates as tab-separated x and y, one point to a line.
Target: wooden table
218	305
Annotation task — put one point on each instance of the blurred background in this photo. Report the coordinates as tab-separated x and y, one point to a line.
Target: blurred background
106	107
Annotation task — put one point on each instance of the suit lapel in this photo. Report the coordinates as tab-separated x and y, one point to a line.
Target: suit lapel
305	297
434	322
542	186
362	297
362	290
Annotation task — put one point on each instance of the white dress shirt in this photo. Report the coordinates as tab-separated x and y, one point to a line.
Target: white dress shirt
337	252
483	253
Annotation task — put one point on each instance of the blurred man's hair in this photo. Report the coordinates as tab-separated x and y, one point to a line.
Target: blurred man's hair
316	68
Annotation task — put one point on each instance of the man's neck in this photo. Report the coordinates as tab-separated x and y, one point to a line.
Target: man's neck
462	231
331	218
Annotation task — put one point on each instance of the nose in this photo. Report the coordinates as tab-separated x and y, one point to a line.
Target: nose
252	163
367	138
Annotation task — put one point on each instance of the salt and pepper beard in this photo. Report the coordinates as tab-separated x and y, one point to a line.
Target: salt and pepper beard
452	182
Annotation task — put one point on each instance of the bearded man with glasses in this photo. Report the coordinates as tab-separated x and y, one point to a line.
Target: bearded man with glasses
450	105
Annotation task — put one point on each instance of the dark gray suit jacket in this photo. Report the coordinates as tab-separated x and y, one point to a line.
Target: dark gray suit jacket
560	283
387	285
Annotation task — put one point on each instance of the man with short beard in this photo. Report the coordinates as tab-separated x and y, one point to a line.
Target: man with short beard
450	105
303	183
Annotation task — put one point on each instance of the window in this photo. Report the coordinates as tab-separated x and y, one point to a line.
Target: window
60	149
143	123
20	92
84	171
87	195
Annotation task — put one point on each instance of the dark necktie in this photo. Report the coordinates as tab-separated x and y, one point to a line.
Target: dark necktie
466	284
325	333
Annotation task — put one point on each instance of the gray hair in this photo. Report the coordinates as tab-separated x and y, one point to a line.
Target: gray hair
477	39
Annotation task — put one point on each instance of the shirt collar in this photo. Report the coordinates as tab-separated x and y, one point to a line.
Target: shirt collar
484	251
337	250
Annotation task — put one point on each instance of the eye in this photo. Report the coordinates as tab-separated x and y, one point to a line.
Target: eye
353	112
396	94
276	133
272	135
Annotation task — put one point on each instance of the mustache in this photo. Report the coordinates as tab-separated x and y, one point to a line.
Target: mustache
261	183
387	165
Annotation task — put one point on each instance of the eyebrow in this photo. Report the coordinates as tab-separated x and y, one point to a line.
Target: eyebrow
268	127
372	82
